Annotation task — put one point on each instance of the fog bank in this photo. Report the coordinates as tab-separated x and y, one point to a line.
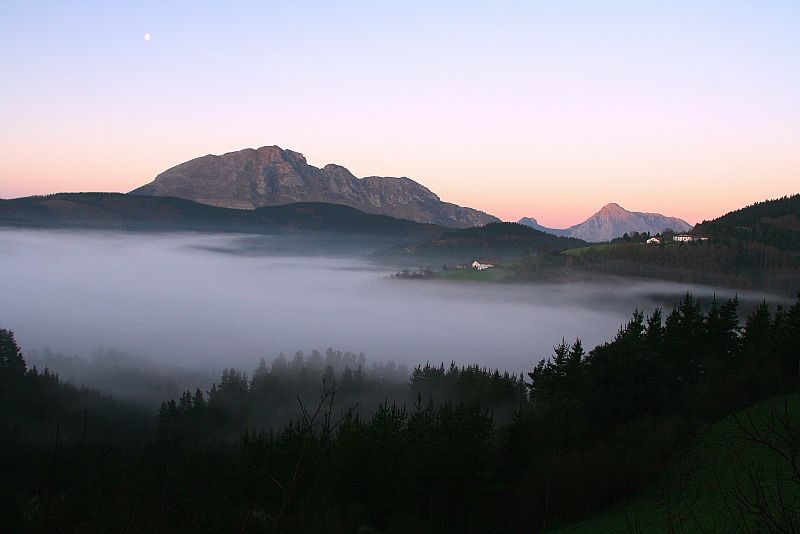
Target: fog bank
185	299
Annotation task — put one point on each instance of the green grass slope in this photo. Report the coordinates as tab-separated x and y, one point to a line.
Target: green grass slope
704	488
603	247
500	273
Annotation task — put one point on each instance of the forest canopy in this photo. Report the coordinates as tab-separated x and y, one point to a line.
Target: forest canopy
464	449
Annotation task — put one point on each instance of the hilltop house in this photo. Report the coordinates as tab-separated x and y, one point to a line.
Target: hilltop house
683	237
654	241
482	264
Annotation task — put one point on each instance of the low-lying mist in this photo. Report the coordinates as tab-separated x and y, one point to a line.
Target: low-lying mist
205	302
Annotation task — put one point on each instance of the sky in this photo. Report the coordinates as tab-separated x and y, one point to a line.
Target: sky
540	109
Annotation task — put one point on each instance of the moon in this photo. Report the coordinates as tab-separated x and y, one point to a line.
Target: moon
147	36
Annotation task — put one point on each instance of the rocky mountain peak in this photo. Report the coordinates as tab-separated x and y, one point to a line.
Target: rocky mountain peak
613	210
613	221
276	153
270	175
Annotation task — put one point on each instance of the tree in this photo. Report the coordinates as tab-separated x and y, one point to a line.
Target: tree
11	361
654	332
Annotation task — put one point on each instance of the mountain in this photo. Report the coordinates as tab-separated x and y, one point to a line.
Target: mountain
613	221
756	247
533	223
270	176
115	211
775	223
495	241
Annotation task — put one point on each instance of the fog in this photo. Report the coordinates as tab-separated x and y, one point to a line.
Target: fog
206	301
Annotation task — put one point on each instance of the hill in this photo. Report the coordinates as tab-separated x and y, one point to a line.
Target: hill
707	484
115	211
774	223
533	223
757	247
736	264
614	221
496	242
270	175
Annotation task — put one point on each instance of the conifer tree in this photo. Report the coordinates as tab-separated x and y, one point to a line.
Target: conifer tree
11	361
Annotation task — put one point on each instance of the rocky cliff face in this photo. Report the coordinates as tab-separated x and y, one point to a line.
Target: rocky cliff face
613	221
269	176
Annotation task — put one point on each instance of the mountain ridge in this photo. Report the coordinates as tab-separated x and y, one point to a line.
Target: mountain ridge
117	211
611	221
270	176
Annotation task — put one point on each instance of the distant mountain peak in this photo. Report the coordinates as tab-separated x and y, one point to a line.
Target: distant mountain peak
276	152
612	220
272	176
613	209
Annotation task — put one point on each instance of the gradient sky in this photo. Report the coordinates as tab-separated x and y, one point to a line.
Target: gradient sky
543	109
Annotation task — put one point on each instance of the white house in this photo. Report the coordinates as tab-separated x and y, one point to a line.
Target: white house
654	241
683	237
482	264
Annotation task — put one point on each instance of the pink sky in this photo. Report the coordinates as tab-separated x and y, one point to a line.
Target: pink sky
507	181
518	110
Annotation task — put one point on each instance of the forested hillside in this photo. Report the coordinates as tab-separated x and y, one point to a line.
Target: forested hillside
733	263
772	223
757	247
588	429
495	241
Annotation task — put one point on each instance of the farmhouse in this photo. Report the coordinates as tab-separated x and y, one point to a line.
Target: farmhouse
654	241
683	237
482	264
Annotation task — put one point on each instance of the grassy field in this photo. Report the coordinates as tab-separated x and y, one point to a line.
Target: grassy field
698	493
496	274
582	250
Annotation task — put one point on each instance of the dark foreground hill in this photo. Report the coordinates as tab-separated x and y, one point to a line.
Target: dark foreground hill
114	211
718	482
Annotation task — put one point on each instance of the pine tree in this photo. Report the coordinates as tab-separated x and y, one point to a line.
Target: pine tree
576	355
654	332
560	359
359	378
185	402
792	342
11	361
633	331
198	402
347	380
